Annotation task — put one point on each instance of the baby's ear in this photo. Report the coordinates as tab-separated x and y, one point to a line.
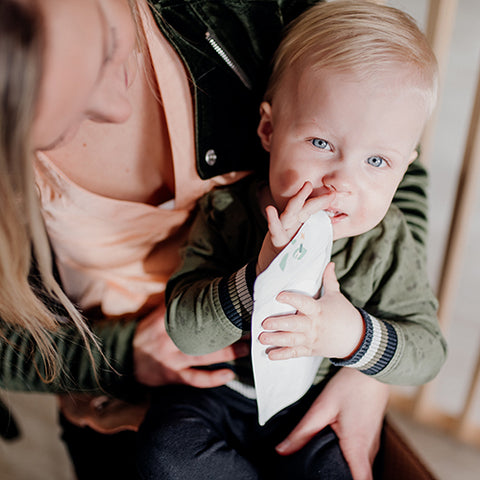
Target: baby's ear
265	127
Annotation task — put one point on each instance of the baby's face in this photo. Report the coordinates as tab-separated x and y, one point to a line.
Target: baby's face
356	137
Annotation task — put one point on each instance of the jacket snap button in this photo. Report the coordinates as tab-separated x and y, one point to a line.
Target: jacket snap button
211	157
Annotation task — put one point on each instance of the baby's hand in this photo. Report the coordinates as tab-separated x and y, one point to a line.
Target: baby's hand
328	327
281	229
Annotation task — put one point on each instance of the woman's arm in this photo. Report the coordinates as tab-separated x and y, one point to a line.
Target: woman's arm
22	367
132	353
159	362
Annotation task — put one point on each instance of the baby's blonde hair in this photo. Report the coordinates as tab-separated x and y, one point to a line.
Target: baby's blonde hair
359	37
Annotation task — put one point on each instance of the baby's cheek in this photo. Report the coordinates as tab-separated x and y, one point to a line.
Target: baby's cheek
290	182
374	216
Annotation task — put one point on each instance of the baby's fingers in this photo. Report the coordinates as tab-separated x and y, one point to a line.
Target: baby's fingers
293	216
315	204
288	352
282	339
299	301
278	235
330	282
285	323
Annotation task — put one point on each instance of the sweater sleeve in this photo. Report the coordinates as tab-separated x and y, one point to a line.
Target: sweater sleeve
22	367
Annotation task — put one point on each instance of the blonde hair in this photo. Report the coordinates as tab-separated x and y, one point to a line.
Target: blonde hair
23	239
360	37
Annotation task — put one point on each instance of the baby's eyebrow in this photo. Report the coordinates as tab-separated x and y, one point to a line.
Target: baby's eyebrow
313	126
389	152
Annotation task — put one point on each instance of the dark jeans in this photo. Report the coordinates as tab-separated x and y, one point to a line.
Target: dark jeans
96	456
214	434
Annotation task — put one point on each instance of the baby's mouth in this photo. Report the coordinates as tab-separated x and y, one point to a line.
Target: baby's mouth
335	215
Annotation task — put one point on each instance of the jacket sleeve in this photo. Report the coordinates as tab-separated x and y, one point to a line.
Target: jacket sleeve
206	314
22	367
209	299
411	199
403	344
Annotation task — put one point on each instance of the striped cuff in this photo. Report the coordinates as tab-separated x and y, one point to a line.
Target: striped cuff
377	349
236	296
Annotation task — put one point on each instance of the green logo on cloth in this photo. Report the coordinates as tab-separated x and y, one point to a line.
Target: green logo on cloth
297	254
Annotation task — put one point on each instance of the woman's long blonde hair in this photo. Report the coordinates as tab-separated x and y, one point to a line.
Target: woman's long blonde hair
23	239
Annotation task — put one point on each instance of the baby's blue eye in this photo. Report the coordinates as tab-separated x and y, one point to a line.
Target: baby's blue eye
375	161
320	143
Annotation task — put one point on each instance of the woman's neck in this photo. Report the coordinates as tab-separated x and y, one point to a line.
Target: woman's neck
129	161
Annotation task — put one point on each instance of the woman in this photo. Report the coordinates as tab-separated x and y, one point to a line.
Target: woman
129	127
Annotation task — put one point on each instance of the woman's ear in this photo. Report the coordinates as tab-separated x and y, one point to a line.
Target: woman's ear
265	127
413	157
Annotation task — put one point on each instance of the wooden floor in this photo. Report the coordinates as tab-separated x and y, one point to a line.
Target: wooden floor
38	454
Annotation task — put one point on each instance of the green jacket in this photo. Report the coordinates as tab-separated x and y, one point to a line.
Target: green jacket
226	110
209	299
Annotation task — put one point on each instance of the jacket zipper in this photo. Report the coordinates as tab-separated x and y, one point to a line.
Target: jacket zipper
215	44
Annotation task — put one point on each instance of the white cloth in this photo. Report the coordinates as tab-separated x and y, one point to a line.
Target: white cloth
299	267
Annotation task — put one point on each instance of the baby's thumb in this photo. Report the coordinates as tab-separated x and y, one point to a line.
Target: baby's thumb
330	282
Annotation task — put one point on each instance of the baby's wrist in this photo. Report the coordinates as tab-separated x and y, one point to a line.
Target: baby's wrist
358	336
376	351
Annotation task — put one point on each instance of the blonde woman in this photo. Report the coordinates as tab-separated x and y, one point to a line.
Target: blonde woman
115	118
